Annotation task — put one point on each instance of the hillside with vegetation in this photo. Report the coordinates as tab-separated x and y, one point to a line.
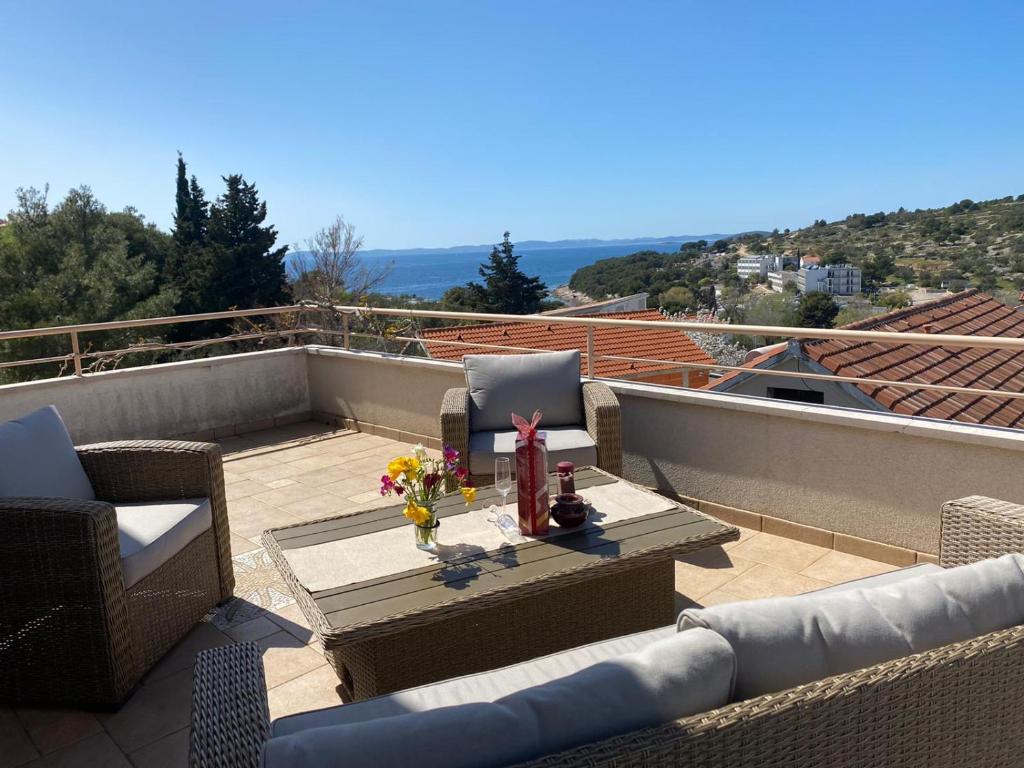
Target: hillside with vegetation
968	243
976	243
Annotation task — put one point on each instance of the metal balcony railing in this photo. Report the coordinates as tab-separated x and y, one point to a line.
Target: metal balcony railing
344	316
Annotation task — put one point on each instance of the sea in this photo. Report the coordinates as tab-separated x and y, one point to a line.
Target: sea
429	275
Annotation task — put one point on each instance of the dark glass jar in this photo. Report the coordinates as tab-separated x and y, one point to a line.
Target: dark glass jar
566	477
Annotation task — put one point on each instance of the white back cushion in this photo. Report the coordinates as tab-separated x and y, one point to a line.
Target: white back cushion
38	459
787	641
681	675
502	384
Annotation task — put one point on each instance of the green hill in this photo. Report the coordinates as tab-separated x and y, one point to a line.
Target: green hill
968	242
977	242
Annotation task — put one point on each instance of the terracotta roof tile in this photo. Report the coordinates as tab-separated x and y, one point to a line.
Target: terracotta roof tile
969	313
626	342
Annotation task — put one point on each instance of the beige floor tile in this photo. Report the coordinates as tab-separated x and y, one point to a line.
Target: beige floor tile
313	690
281	483
368	497
245	464
285	657
351	486
156	710
368	465
243	489
708	570
248	518
232	477
320	461
293	621
53	729
782	553
96	751
718	597
240	544
254	629
281	496
276	472
769	581
321	477
169	752
745	535
837	567
315	507
182	656
234	444
290	453
15	745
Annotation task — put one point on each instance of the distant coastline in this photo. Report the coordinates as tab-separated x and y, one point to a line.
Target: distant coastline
427	273
526	245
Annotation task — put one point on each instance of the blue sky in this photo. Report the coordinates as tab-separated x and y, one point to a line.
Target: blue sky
441	123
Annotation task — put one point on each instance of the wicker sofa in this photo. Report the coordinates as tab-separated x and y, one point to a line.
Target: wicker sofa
581	418
71	631
955	705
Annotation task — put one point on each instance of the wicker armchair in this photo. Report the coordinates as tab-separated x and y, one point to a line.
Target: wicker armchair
951	707
70	632
600	417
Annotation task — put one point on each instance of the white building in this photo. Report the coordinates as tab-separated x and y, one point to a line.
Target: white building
836	279
778	281
757	264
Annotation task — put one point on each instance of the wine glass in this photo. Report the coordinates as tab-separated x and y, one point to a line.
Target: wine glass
503	479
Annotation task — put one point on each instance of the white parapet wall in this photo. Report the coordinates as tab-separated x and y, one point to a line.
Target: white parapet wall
875	476
196	398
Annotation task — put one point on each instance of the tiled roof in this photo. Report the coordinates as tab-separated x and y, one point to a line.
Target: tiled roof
969	313
768	354
627	342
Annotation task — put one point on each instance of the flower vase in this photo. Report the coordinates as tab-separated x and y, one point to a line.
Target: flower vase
426	533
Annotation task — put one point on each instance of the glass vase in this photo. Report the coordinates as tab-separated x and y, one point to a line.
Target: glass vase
426	534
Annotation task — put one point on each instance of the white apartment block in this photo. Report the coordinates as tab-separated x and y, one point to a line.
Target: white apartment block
836	279
757	264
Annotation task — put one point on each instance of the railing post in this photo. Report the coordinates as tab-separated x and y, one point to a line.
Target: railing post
590	351
344	330
77	352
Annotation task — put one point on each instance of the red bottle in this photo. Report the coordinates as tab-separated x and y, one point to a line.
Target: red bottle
531	476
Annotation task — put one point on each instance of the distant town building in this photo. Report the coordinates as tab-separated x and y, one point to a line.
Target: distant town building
837	279
810	261
758	264
778	281
636	302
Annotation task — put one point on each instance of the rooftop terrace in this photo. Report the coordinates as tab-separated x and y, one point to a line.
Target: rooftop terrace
822	495
302	471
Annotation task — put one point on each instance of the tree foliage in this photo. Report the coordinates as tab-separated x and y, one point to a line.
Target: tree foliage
816	310
506	289
77	262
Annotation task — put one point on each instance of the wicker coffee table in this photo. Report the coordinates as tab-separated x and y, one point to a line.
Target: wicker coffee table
488	608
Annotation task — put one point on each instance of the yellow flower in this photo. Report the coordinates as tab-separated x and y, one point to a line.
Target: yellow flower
416	513
408	465
469	494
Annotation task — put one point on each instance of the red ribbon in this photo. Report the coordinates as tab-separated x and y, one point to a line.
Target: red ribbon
527	429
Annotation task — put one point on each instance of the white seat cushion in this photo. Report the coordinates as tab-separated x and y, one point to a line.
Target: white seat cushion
564	444
502	384
153	532
38	459
787	641
480	687
681	675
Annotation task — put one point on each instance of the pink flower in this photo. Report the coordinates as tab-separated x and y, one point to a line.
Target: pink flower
429	481
399	490
450	454
386	485
461	473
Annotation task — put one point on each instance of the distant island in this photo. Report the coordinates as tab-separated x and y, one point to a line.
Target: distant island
526	245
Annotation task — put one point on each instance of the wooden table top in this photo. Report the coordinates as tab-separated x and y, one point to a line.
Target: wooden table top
479	573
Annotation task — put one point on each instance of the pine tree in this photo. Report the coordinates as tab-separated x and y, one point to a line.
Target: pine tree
247	271
506	289
189	267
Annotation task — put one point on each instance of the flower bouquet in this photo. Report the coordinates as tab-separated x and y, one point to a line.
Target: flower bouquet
422	480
